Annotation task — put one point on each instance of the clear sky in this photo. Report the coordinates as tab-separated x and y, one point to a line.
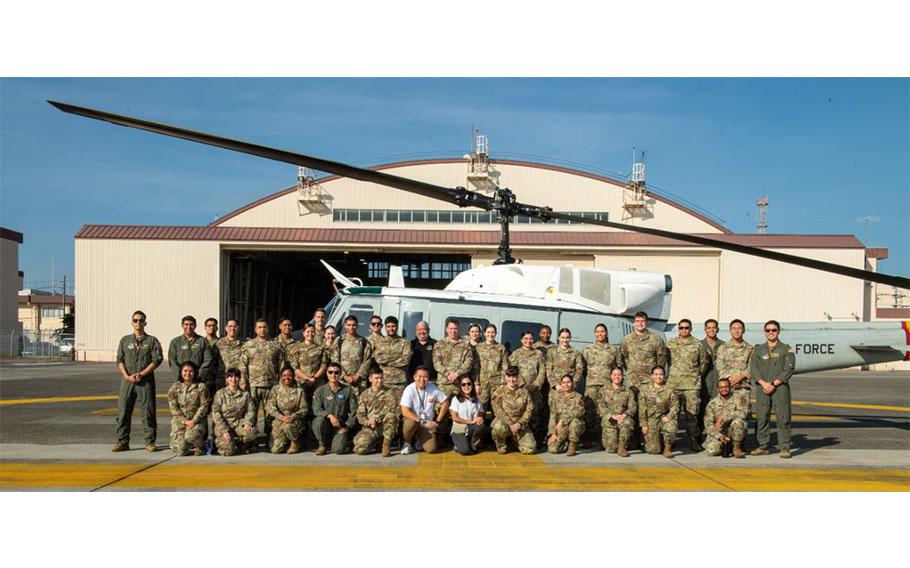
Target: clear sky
824	151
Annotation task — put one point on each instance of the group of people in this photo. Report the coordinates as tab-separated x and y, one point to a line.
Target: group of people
338	392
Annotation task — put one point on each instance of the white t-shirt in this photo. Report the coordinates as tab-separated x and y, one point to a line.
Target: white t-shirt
422	402
466	410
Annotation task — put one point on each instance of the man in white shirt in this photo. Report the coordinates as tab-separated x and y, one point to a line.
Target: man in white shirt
423	405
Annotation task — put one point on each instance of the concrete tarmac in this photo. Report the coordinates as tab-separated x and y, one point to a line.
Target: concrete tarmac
851	432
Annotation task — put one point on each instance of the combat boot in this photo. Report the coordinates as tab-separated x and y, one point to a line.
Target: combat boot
759	451
571	451
320	451
197	452
621	451
120	447
738	449
668	449
151	448
293	448
694	445
386	447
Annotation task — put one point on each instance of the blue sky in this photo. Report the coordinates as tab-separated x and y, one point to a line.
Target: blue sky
824	151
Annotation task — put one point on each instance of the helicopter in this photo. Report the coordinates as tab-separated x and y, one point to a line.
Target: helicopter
517	297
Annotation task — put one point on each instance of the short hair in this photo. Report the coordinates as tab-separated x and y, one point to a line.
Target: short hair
333	364
261	320
422	323
655	367
453	320
422	368
686	320
512	371
188	319
723	380
740	322
237	323
211	320
545	326
317	310
283	319
775	322
374	316
352	318
233	372
375	372
640	315
285	367
139	312
391	319
712	320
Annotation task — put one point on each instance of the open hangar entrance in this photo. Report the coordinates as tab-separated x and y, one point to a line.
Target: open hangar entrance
273	284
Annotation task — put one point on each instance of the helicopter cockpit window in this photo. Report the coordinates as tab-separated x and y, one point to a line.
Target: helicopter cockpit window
510	336
409	321
594	286
566	284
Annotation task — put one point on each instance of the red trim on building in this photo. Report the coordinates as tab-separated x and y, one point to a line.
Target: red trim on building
10	235
880	253
561	169
893	313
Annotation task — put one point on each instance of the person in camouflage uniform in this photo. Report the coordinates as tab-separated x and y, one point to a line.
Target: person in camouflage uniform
287	407
235	417
211	337
617	407
319	319
377	412
374	337
285	339
189	346
543	343
228	350
725	419
330	342
453	358
308	360
771	366
260	360
473	338
355	355
659	410
392	354
709	380
334	413
564	360
600	358
542	403
689	361
567	419
532	375
138	355
189	403
493	360
733	363
641	350
512	407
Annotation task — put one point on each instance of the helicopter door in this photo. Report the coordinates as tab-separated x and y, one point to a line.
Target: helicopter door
413	311
363	309
391	307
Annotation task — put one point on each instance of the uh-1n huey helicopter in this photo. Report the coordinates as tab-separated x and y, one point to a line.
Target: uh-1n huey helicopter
516	297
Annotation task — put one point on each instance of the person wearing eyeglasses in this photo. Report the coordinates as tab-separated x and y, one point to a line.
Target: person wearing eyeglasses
334	413
567	418
466	411
374	337
423	406
770	368
189	402
138	355
688	362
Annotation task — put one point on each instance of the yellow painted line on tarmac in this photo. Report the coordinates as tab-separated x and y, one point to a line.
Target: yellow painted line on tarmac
17	401
450	472
848	405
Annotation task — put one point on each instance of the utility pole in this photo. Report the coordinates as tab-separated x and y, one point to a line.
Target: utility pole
865	221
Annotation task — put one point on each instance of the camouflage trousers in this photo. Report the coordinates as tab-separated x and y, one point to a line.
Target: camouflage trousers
329	437
689	403
592	420
183	441
565	435
525	438
238	437
486	391
658	429
736	430
283	433
258	396
366	440
540	416
744	396
615	433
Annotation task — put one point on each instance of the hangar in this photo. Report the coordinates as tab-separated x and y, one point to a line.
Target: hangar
261	260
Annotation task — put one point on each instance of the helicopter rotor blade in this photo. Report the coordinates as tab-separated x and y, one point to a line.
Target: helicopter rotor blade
461	196
457	196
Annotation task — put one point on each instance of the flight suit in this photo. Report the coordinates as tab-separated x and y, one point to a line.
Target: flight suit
136	354
342	403
195	350
769	365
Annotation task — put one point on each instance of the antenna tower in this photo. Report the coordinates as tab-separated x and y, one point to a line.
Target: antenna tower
865	221
762	224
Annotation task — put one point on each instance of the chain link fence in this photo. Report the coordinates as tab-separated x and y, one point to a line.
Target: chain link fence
37	344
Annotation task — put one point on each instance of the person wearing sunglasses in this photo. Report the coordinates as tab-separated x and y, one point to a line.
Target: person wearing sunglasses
374	337
567	418
334	413
770	368
466	411
138	355
688	362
